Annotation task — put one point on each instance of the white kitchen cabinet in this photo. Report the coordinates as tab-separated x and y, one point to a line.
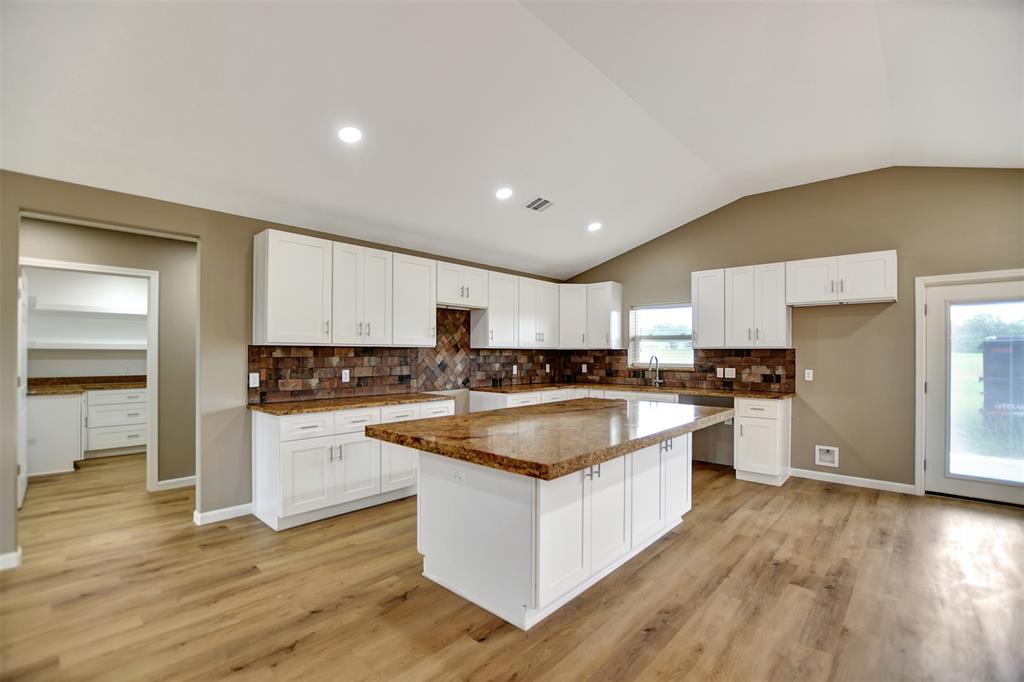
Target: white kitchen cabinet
648	482
307	467
854	278
486	400
563	508
116	421
496	327
649	396
610	512
461	286
414	301
572	315
361	296
762	440
538	314
604	315
707	290
678	467
552	396
756	315
53	426
291	288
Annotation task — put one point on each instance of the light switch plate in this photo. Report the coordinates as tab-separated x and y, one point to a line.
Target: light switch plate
547	368
808	375
346	375
254	379
515	370
584	368
730	372
720	372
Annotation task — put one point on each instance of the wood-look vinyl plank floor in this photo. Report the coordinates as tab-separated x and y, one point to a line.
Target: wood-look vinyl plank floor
811	581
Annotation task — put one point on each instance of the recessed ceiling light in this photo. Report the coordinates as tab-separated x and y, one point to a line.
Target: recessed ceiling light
503	193
594	227
350	135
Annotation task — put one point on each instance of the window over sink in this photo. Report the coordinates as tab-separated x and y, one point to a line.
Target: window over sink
664	330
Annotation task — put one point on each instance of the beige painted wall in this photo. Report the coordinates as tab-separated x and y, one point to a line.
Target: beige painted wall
225	294
178	265
941	220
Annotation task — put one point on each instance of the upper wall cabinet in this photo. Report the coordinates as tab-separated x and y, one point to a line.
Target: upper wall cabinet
572	315
756	315
414	301
460	286
856	278
496	327
291	288
604	315
538	314
361	308
707	290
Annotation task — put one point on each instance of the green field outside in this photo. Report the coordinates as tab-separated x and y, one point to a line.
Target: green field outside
968	430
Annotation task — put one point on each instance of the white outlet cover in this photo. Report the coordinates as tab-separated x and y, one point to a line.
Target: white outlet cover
346	375
730	372
584	368
826	455
547	368
808	375
720	372
254	379
515	370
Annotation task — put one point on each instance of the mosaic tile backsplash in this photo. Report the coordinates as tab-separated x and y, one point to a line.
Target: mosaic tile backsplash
308	373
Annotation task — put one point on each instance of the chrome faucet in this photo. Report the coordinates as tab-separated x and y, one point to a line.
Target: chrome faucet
657	381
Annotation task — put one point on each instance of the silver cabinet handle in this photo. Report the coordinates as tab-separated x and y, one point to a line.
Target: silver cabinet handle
756	409
842	284
590	473
741	430
583	338
832	286
599	471
433	331
368	329
492	335
311	426
757	332
748	333
132	414
467	292
359	421
360	329
542	336
330	453
132	435
462	292
131	397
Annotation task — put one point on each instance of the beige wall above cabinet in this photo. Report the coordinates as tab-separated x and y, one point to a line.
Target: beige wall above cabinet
361	305
538	314
414	301
496	327
855	278
291	288
461	286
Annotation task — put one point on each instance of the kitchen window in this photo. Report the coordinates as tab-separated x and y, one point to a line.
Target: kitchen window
665	330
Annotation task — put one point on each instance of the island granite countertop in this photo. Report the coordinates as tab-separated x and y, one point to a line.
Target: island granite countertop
706	392
553	439
332	404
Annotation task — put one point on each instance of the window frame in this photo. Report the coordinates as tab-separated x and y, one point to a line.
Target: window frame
633	346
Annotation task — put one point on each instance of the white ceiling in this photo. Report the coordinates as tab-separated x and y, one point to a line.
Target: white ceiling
640	115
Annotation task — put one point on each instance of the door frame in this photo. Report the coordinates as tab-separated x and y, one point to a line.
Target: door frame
921	285
152	344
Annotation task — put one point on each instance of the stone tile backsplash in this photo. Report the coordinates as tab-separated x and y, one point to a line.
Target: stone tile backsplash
307	373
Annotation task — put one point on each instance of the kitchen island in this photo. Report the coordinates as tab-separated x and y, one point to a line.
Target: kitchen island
520	510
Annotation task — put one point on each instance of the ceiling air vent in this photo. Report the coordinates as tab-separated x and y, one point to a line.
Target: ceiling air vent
538	204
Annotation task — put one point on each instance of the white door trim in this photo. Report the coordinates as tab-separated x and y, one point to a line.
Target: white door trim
921	285
152	344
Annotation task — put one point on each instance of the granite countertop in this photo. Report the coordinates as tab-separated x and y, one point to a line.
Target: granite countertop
72	389
554	439
333	404
707	392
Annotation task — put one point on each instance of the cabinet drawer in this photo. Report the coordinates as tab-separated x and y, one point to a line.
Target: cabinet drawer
106	437
307	426
526	399
552	396
117	415
399	413
438	409
765	409
351	421
139	395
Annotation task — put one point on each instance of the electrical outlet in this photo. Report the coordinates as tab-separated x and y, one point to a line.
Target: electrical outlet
515	370
826	455
808	375
730	372
720	372
346	375
547	368
584	368
254	379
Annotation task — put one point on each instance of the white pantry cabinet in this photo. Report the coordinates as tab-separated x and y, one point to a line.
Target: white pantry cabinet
762	440
307	467
756	315
415	301
538	314
707	291
572	315
291	288
361	296
53	427
604	315
496	327
854	278
461	286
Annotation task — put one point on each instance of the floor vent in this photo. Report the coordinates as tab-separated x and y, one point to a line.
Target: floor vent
538	204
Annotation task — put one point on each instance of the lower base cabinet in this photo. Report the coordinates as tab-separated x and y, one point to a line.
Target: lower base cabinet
761	447
308	467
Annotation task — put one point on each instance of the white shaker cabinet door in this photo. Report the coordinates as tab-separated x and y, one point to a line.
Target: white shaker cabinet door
547	314
811	281
450	289
502	291
414	306
648	473
563	546
356	465
757	445
707	291
529	334
867	276
572	315
376	296
739	307
306	475
610	502
346	323
771	314
475	281
297	295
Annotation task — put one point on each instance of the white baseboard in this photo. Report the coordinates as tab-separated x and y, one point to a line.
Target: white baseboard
215	515
10	559
888	486
172	483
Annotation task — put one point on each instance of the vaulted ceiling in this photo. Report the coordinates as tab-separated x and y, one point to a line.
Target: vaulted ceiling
640	115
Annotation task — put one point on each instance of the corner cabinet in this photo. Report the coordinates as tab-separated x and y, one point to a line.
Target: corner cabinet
291	288
497	326
415	301
854	278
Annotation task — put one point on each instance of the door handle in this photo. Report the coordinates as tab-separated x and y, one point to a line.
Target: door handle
748	333
842	284
462	292
832	286
368	329
467	292
330	453
599	471
360	329
757	332
741	430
